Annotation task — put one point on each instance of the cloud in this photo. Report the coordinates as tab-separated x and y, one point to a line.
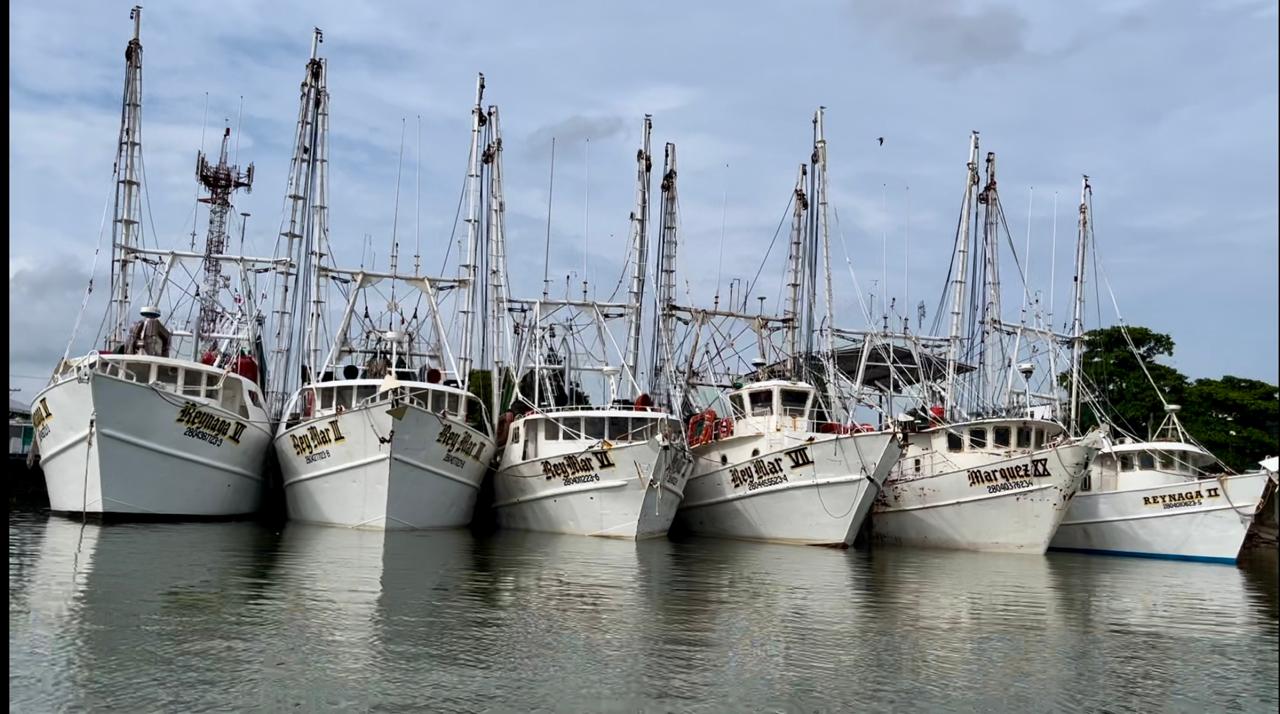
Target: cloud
575	129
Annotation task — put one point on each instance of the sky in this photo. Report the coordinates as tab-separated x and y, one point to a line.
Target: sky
1169	107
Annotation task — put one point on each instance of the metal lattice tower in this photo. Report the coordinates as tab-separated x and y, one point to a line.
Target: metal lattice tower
220	180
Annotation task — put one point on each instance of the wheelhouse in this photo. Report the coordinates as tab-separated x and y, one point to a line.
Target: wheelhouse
571	431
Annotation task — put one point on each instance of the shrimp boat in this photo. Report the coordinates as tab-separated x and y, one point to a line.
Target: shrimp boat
381	431
784	464
1160	499
161	422
980	470
1166	497
615	469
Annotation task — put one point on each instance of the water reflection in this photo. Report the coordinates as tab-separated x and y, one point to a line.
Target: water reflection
235	616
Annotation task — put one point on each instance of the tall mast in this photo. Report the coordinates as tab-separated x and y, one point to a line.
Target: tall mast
468	268
640	252
496	235
294	277
989	199
221	181
1077	311
819	160
665	386
795	271
958	270
124	227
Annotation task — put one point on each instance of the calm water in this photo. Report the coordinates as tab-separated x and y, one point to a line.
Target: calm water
172	617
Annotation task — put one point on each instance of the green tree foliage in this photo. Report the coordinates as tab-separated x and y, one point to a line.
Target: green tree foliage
1113	376
1235	418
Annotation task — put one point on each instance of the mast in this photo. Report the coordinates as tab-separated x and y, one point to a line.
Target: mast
664	339
468	269
221	181
497	239
1077	311
959	268
819	160
294	275
989	199
795	270
640	253
125	224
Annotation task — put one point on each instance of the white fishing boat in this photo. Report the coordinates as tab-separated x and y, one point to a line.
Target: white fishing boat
1162	499
617	469
785	464
991	484
136	428
773	472
982	468
382	432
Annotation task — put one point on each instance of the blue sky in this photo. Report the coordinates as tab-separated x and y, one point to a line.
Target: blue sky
1170	107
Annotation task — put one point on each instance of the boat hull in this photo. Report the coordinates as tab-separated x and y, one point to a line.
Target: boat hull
629	491
780	488
109	446
1205	519
1009	505
367	468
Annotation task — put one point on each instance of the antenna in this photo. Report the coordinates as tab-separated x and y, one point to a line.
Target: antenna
546	258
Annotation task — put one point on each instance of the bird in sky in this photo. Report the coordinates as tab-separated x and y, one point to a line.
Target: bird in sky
881	140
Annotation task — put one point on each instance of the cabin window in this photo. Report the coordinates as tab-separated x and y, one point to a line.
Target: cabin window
1000	436
515	434
551	430
326	399
344	397
978	438
593	427
365	392
1039	438
761	403
1024	437
1126	462
437	402
531	429
1166	461
453	403
254	398
192	383
619	429
735	405
642	428
794	401
571	427
917	465
1087	483
1146	461
955	442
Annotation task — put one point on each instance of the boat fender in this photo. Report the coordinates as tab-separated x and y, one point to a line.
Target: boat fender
308	403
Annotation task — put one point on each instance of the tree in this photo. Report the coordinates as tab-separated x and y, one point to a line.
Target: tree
1113	378
1237	419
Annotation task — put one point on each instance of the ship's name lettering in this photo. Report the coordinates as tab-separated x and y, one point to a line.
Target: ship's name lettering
757	470
573	465
1035	469
315	437
1182	499
40	417
199	421
461	441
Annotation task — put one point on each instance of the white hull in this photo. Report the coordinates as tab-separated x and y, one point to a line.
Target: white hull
818	497
1015	506
1205	519
349	469
111	446
630	491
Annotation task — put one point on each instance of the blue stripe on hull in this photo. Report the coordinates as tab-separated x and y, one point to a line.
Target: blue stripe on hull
1158	556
